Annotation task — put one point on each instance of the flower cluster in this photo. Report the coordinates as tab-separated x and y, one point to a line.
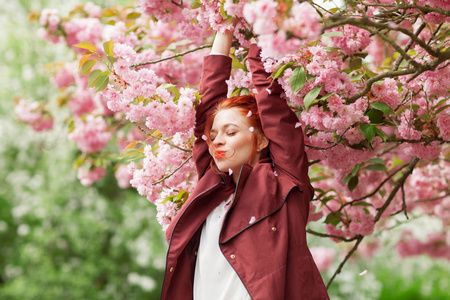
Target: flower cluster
366	108
33	114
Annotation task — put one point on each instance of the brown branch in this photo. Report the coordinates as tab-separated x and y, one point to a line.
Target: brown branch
432	199
174	171
407	47
339	139
329	235
381	210
372	80
163	139
403	205
170	57
169	143
423	9
363	22
349	254
393	44
397	186
376	189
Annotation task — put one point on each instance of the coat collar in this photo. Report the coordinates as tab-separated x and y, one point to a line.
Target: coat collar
259	193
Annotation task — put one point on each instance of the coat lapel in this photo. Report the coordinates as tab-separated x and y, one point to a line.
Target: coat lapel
260	194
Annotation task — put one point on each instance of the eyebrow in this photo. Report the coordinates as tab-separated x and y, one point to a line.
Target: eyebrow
225	126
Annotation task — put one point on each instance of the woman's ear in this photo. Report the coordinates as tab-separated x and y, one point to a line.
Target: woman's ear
263	141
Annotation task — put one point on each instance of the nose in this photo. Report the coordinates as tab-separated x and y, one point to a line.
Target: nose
218	140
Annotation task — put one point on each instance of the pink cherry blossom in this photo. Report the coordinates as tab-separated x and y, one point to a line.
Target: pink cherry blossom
88	175
90	134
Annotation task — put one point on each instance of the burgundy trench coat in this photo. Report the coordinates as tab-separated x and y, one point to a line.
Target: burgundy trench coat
263	235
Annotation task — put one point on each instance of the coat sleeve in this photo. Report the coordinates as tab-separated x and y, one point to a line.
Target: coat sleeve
286	143
213	88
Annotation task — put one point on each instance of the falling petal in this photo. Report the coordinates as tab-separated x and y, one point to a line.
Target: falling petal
230	171
251	129
363	273
297	125
204	137
268	91
252	220
249	113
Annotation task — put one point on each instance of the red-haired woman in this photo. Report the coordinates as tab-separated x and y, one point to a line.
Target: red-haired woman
241	234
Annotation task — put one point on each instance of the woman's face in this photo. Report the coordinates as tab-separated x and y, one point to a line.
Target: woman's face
232	141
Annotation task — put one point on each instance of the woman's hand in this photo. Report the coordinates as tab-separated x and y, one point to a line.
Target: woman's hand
222	41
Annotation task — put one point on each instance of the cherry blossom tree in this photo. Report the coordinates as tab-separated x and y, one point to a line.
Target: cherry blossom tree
369	81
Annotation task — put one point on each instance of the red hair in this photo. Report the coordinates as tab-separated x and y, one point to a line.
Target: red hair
246	104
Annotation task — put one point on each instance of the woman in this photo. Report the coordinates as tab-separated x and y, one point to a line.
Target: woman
241	234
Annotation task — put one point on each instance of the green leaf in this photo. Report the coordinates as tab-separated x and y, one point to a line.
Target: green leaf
347	179
87	66
368	130
382	107
84	59
108	47
195	4
355	169
355	63
297	79
333	218
376	160
439	103
102	81
93	78
381	134
375	116
325	97
235	64
442	109
334	10
86	45
333	33
311	96
235	91
133	16
353	182
357	77
362	204
279	71
376	167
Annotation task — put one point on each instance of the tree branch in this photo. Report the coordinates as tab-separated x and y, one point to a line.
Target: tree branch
174	171
169	143
329	235
376	189
372	80
432	199
170	57
363	22
397	186
410	42
341	265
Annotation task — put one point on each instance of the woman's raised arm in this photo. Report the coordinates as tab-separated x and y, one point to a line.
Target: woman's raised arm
213	88
279	122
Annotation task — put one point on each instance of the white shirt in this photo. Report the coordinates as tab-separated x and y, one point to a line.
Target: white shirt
215	278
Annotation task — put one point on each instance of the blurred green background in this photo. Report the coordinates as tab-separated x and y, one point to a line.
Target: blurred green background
60	240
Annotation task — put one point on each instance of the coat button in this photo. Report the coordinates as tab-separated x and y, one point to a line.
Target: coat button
274	228
233	256
171	270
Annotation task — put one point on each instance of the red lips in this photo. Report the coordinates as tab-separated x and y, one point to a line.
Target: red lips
219	154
